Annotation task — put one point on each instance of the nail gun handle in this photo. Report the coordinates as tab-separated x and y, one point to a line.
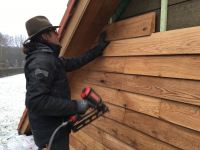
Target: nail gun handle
89	94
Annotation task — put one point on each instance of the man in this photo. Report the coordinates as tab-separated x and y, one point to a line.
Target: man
48	96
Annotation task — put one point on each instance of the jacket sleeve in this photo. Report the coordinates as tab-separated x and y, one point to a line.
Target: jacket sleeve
40	75
73	63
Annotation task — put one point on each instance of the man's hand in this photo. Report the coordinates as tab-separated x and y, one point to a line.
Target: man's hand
82	106
102	43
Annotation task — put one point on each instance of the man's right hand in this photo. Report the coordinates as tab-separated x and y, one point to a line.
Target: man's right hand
82	106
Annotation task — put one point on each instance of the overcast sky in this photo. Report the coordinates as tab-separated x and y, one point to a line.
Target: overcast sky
14	13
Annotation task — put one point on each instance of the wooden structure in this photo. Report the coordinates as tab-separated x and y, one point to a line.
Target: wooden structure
149	81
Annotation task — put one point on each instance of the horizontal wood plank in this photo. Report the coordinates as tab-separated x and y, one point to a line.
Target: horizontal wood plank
129	28
173	134
184	66
140	103
113	64
130	136
181	41
76	143
88	141
115	144
181	114
186	91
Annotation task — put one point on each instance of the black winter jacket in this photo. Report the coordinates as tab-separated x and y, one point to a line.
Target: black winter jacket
48	96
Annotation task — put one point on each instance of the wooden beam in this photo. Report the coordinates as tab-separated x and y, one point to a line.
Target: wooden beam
95	16
181	41
140	103
76	143
133	27
173	134
88	141
182	114
186	91
73	24
130	136
186	67
115	144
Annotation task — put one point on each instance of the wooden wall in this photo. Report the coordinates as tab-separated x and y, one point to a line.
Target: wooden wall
150	85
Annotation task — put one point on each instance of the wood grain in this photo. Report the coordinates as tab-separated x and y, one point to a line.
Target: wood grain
128	28
173	134
186	91
181	41
186	67
88	141
130	136
114	64
115	144
182	114
76	143
140	103
93	132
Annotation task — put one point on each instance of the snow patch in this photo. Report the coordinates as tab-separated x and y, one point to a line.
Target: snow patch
12	103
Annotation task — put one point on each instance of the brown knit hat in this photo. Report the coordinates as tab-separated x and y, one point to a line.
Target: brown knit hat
36	25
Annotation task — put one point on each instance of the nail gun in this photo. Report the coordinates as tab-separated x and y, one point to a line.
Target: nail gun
77	121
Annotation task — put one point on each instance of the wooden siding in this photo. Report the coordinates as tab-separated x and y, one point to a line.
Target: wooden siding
151	87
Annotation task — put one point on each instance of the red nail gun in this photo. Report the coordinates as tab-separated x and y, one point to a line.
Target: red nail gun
77	122
95	102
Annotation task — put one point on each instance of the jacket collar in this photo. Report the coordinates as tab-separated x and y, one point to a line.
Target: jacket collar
46	47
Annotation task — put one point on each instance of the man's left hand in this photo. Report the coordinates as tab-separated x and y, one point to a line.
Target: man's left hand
102	43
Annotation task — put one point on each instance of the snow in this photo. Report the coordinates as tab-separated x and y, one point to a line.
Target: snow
12	103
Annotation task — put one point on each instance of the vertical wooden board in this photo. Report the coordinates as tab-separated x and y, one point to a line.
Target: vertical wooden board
173	134
140	103
114	64
186	91
75	143
186	67
25	128
115	144
93	132
89	141
130	136
132	27
181	114
181	41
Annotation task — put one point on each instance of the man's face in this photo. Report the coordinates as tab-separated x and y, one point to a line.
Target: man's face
54	36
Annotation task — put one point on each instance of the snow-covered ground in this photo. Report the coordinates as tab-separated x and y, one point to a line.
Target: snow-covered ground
12	103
